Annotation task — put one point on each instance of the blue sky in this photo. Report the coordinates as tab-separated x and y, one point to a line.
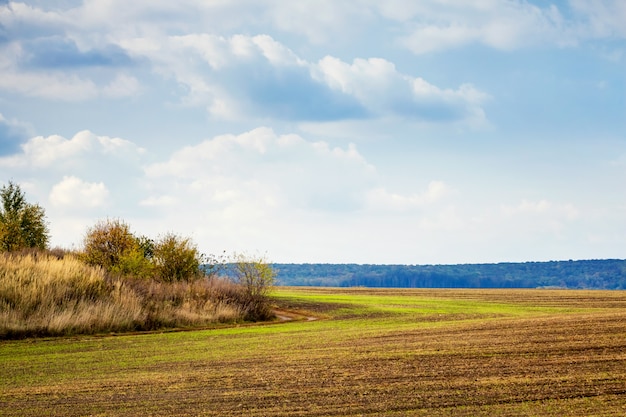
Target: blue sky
358	131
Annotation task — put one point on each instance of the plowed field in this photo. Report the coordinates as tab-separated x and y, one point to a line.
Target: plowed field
369	353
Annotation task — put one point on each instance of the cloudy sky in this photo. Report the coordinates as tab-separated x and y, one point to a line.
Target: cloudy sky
415	132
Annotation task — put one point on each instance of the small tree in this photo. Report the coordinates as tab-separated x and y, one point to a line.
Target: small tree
22	225
111	245
176	259
256	276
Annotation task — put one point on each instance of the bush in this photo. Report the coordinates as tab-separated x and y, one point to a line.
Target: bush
111	245
256	278
176	259
22	225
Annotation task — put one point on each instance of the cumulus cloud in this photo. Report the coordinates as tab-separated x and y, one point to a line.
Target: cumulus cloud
427	26
286	193
265	170
384	91
48	55
64	87
23	21
235	76
500	25
243	76
74	193
40	151
78	179
332	21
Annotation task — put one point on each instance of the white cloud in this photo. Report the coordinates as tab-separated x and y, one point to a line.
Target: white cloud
48	86
501	25
17	15
537	219
48	55
321	21
74	193
43	151
381	199
59	83
265	170
428	25
237	76
256	76
122	86
602	18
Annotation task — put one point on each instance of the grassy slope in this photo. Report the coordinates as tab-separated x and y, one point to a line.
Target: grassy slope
375	352
42	295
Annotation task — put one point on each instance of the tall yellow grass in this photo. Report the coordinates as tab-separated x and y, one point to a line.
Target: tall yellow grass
44	295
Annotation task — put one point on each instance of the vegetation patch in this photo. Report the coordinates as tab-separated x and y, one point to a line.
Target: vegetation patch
513	352
42	295
117	281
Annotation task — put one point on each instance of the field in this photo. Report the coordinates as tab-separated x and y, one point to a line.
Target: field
340	352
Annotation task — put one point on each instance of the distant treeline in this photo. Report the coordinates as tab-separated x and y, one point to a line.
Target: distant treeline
590	274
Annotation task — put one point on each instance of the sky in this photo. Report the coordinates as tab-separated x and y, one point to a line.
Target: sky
324	131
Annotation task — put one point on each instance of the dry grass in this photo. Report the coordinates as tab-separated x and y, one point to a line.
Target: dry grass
46	295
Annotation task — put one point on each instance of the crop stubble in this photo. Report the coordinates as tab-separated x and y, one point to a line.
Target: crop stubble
569	359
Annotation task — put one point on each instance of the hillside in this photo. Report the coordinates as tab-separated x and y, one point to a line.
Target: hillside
586	274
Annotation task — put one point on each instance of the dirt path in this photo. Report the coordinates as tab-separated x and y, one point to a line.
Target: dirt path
289	315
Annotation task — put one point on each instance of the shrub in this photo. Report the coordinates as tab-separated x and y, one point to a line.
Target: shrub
111	245
176	259
256	278
22	225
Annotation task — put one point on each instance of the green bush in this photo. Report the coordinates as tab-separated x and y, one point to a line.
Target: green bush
176	259
111	245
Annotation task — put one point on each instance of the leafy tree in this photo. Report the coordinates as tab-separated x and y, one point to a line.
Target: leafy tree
111	245
176	259
22	225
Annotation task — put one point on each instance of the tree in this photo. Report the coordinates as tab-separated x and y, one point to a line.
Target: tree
176	259
22	225
111	245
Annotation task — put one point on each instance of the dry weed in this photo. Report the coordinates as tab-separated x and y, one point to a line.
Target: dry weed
44	294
